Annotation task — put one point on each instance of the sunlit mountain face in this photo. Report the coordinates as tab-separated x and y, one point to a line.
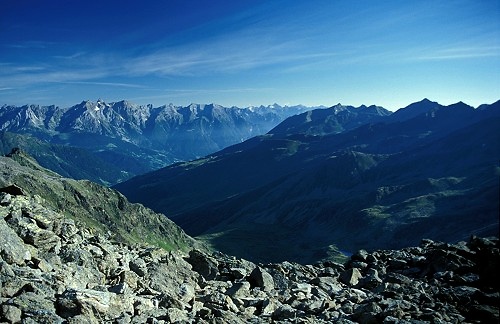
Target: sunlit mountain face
110	142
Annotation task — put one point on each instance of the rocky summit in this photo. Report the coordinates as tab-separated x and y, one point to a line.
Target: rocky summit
56	270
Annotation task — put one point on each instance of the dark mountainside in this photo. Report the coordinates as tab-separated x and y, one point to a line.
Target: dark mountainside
336	119
110	142
56	266
426	171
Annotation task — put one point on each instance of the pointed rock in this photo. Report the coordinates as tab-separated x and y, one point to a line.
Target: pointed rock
350	277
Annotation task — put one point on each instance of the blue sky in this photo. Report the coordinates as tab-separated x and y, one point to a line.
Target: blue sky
242	53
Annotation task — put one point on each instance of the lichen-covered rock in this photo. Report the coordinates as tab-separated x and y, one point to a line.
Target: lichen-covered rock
11	313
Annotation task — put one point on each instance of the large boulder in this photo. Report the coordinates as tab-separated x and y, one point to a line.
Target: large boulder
12	247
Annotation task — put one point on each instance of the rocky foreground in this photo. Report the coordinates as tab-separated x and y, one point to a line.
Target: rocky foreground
53	270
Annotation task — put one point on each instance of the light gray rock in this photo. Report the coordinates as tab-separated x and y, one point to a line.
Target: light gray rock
67	229
261	278
11	314
203	264
175	315
239	289
12	248
350	276
186	292
87	300
31	303
5	199
269	306
139	266
284	312
329	284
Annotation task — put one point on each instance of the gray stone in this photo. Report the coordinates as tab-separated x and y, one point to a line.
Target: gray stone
120	288
284	312
68	229
203	264
328	284
261	278
360	255
87	300
130	278
397	278
33	303
168	279
5	199
269	306
139	266
75	276
239	289
367	313
143	305
42	217
238	273
371	280
42	264
218	300
351	276
12	248
83	319
175	315
108	264
75	253
186	292
11	314
14	286
44	240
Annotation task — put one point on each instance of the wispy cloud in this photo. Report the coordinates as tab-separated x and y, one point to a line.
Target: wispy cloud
30	44
70	56
457	53
112	84
242	50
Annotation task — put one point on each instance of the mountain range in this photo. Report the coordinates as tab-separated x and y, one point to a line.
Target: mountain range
332	181
110	142
313	184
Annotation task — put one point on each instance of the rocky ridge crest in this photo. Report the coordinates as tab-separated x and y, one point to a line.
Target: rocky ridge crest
98	208
55	270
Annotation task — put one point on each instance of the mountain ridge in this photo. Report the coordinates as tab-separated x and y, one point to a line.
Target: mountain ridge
141	138
152	136
98	207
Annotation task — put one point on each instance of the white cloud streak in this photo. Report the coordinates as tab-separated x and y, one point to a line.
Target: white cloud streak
458	53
